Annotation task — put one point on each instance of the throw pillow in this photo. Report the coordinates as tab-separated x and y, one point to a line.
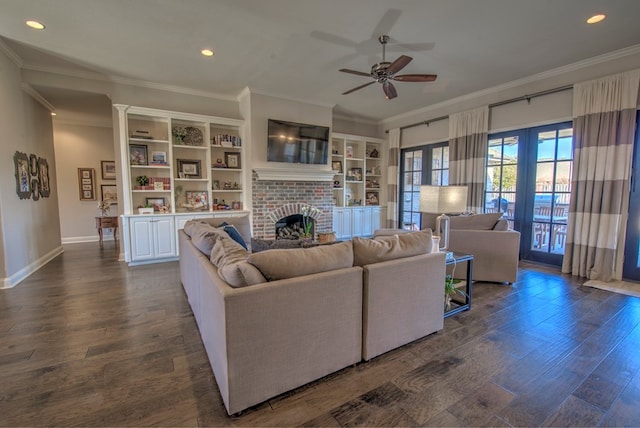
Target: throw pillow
383	248
235	235
282	264
501	225
231	260
203	235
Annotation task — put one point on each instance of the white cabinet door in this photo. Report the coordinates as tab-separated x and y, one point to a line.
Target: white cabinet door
376	218
360	222
342	222
152	238
141	239
164	237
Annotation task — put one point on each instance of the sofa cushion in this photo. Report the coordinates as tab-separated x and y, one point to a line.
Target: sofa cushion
282	264
501	225
231	260
474	222
203	235
390	247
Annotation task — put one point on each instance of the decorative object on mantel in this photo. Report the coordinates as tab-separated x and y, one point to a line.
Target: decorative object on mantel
21	163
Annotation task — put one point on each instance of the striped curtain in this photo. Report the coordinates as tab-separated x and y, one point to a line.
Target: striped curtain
468	134
392	178
604	125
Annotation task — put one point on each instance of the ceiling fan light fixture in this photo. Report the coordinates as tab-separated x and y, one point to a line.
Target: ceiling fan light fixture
207	52
36	25
596	18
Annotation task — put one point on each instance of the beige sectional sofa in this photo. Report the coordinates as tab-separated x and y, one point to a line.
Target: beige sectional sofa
316	311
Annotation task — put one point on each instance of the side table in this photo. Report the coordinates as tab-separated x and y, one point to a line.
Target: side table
107	223
461	305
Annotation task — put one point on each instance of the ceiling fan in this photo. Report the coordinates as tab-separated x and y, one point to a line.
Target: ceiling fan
383	72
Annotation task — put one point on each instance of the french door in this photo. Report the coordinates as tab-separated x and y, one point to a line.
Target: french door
631	266
529	181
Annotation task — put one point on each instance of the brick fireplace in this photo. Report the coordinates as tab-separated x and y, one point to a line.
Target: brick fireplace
275	199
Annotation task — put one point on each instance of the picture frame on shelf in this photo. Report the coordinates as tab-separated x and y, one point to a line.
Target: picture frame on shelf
109	192
232	160
356	173
236	205
86	184
216	185
198	199
138	154
156	203
108	169
21	164
158	158
336	166
189	168
349	152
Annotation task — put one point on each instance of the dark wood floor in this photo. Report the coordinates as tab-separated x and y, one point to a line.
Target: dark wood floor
89	341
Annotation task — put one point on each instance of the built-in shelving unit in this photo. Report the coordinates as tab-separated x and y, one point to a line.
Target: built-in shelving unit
181	166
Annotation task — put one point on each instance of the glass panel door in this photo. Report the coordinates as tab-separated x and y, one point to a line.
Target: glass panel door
631	266
502	176
550	189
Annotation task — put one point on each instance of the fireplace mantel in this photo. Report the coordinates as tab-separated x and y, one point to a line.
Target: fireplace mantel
294	174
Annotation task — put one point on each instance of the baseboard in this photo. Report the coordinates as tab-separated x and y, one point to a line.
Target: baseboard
81	239
25	272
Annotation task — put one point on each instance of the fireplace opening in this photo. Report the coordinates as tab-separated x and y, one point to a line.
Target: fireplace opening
293	227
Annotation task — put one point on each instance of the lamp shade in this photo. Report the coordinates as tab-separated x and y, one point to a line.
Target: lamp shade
443	199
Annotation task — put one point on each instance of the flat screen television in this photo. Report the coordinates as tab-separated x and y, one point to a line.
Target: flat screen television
297	143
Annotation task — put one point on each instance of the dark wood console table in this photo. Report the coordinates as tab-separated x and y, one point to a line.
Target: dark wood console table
107	223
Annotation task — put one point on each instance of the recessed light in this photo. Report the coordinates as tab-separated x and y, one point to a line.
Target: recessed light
35	25
596	18
207	52
53	113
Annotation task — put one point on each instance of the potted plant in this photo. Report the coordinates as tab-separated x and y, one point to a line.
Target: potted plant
450	290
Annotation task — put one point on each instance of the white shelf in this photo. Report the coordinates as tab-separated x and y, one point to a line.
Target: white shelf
232	148
151	191
181	146
147	140
191	179
354	159
227	191
151	166
226	169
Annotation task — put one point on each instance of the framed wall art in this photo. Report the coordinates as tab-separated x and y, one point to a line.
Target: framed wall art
43	176
108	170
109	192
23	183
87	184
197	199
189	168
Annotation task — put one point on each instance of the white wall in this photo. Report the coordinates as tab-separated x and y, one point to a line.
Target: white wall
30	229
345	125
79	146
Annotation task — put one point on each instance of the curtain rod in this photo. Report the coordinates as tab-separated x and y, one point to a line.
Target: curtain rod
526	98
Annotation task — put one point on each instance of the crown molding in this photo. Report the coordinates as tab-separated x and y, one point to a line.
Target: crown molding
534	78
282	97
14	57
130	82
36	96
294	174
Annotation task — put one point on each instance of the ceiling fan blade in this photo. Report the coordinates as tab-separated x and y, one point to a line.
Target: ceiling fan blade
415	77
358	73
359	87
389	90
398	64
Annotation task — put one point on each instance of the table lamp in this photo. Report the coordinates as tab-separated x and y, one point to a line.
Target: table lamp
442	200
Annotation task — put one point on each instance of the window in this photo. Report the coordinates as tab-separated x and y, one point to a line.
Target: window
502	176
420	165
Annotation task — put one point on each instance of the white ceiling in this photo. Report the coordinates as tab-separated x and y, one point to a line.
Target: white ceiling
294	48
